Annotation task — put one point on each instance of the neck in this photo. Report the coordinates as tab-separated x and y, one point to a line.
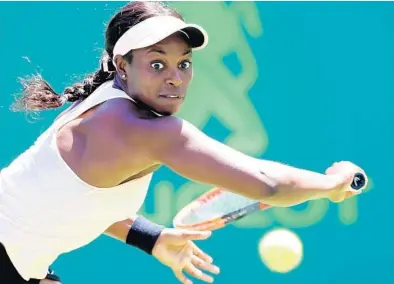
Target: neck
120	85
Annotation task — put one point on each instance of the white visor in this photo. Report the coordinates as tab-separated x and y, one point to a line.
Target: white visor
154	30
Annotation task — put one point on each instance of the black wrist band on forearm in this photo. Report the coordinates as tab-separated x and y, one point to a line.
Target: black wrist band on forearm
143	234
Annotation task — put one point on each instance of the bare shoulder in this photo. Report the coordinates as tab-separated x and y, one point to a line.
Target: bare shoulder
158	139
114	114
167	128
121	117
163	129
118	117
159	135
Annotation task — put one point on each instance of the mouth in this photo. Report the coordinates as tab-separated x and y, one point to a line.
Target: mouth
172	96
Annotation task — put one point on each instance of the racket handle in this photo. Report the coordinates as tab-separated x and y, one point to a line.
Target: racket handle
358	181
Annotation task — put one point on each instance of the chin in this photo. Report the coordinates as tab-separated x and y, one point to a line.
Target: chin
168	111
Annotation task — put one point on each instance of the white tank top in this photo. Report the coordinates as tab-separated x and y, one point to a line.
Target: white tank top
47	210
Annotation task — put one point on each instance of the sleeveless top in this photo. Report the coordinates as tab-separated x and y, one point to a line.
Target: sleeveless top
47	210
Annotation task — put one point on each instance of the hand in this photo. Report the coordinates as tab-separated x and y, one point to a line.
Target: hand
342	174
175	249
47	281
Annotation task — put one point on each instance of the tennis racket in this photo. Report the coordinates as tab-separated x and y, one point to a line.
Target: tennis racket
218	207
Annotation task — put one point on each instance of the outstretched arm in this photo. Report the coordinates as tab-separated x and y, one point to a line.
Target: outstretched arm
192	154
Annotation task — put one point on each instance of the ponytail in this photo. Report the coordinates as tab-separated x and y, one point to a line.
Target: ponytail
37	94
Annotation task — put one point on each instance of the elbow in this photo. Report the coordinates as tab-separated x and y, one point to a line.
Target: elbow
261	190
280	194
266	192
272	189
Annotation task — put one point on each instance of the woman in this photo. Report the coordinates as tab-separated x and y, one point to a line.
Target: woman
91	169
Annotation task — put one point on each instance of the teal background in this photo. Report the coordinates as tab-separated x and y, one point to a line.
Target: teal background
303	83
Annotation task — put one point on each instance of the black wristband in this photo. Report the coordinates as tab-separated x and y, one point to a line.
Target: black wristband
143	234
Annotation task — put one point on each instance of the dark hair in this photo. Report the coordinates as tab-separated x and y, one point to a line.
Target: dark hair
37	94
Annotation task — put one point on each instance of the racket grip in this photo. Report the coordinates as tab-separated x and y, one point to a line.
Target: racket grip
359	181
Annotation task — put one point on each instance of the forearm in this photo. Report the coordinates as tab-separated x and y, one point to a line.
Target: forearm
294	185
138	232
119	230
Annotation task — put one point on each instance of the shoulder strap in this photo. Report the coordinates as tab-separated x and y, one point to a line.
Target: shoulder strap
103	93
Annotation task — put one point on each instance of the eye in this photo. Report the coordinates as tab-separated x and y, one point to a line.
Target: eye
185	64
157	65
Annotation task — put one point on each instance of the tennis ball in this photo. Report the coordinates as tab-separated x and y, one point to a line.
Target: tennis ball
281	250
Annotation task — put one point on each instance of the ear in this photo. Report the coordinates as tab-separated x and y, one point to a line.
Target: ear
120	64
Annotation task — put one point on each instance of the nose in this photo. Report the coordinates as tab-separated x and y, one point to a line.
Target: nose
175	79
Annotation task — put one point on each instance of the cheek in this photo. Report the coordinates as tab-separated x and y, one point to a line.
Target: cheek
139	80
188	77
150	82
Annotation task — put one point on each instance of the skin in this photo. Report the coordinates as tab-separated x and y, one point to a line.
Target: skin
46	281
165	69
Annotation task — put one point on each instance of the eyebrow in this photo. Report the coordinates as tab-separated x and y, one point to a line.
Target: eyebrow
161	51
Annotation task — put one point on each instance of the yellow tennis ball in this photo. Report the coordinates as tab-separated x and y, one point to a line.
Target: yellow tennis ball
281	250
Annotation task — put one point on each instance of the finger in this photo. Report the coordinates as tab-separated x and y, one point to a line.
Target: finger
352	193
337	198
197	273
198	252
202	264
343	182
181	277
340	197
195	235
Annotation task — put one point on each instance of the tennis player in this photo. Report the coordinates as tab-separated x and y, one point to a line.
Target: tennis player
89	172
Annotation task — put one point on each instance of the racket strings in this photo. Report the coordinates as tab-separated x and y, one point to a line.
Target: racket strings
215	207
